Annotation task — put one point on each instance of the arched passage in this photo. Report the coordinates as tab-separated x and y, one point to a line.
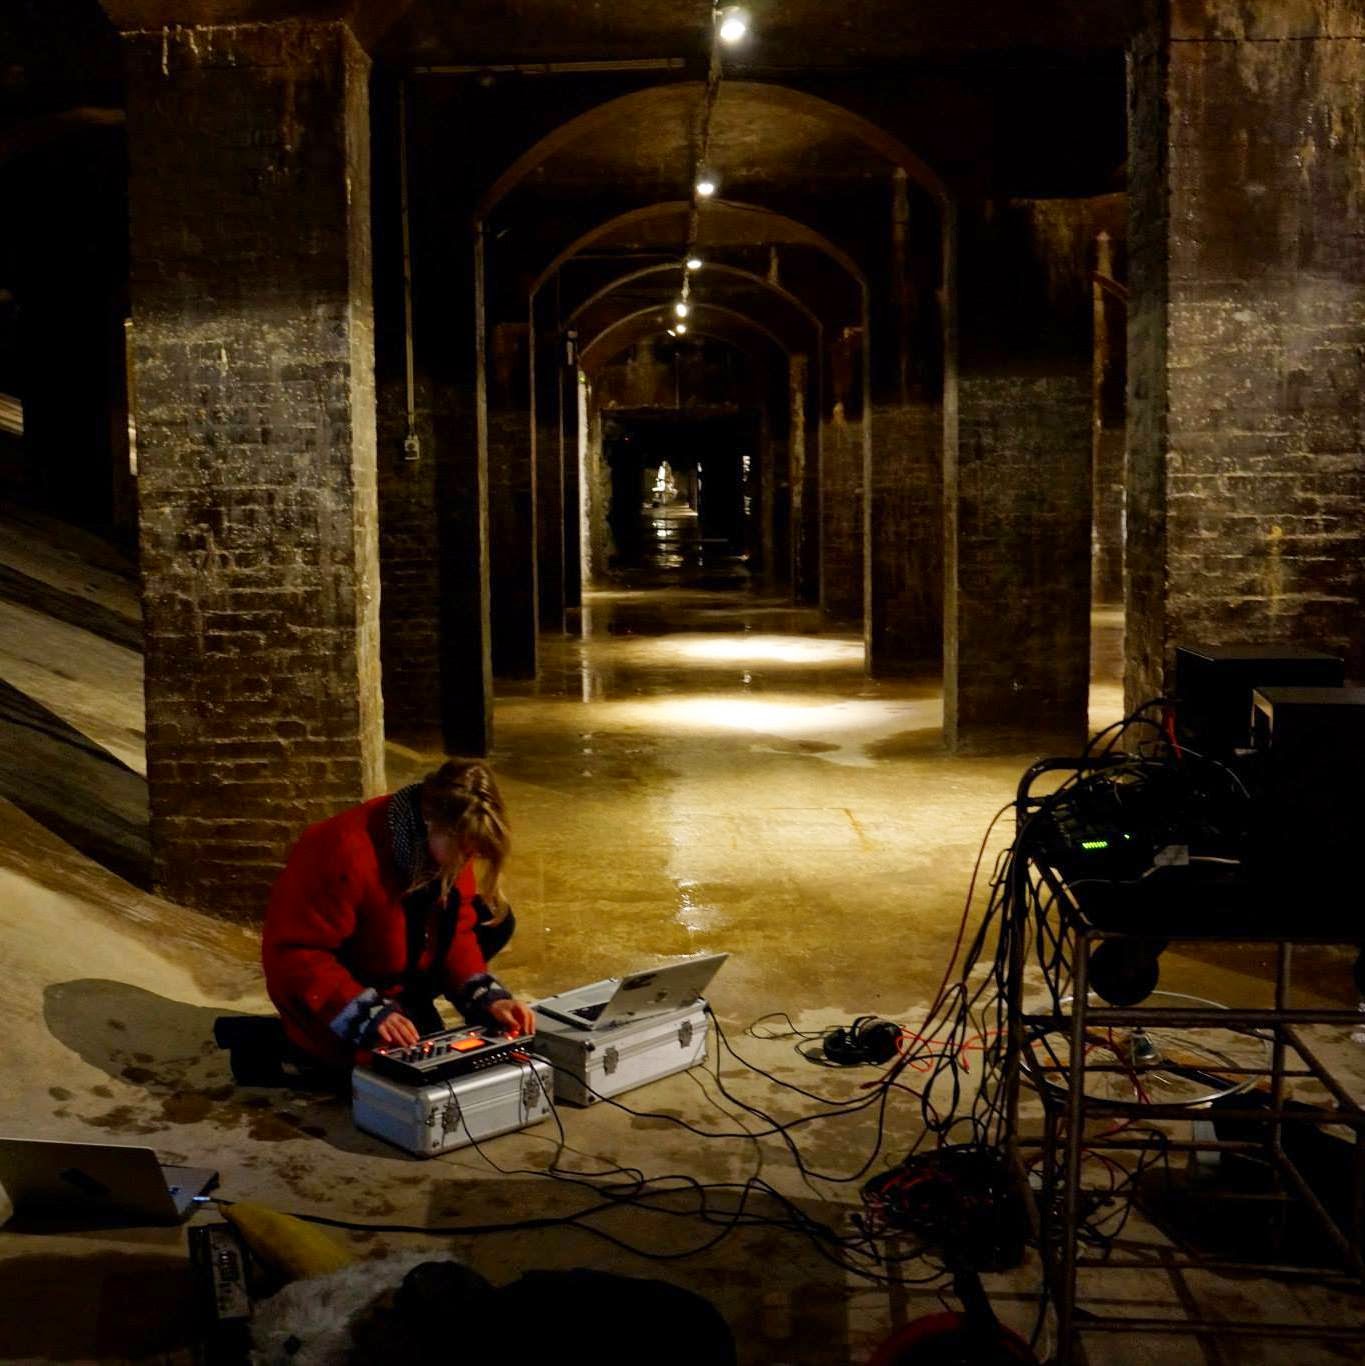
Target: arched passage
795	547
686	440
631	110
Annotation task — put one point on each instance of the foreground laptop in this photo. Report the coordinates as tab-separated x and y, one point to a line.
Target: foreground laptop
620	999
102	1181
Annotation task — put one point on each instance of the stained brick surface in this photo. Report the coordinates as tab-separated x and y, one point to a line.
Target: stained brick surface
1247	334
249	198
1019	599
906	527
841	518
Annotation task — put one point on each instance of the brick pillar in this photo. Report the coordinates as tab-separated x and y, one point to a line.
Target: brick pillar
803	442
249	196
1016	668
1109	310
841	517
1246	516
904	606
906	538
547	350
776	464
572	423
841	483
511	503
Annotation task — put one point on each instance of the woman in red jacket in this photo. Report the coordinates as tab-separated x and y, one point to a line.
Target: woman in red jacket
378	911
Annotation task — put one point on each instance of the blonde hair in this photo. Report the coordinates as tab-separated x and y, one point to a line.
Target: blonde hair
461	801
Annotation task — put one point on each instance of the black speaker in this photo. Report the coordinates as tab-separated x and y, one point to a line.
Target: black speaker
1310	800
1213	685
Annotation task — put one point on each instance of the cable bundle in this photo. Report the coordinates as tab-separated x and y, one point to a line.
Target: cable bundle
955	1064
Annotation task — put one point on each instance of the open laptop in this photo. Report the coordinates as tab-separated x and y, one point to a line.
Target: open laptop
619	999
99	1180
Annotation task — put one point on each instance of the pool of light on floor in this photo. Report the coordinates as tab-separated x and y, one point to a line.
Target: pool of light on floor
762	649
843	729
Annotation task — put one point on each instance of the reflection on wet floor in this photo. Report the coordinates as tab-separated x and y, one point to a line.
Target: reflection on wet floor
713	770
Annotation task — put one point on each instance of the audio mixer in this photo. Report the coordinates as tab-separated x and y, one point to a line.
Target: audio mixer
448	1053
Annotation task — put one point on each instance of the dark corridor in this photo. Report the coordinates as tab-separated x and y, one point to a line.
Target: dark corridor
682	495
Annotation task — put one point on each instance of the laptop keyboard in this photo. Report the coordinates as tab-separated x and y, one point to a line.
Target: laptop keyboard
590	1012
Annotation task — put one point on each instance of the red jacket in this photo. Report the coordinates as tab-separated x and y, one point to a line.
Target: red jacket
336	925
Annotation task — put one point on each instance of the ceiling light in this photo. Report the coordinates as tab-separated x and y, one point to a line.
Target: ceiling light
680	329
672	332
694	263
680	308
706	184
734	24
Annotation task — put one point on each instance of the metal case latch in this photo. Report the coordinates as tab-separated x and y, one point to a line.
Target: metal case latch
684	1033
610	1059
530	1090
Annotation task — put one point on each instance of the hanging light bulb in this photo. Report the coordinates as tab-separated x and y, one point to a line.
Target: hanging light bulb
706	184
694	263
732	24
680	329
680	308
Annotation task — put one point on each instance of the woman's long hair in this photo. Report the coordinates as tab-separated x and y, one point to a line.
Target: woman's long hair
461	801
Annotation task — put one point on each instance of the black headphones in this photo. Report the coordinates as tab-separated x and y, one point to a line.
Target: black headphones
869	1039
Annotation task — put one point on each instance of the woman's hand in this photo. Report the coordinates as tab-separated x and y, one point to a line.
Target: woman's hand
396	1029
513	1018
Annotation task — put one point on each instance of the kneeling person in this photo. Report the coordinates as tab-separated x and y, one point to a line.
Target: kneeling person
378	911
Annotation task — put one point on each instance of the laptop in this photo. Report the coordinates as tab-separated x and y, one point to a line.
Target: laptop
103	1180
617	1000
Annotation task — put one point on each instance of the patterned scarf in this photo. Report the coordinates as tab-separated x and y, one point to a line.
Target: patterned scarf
408	832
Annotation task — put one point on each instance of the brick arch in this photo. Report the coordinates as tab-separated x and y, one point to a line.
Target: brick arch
629	110
646	322
802	234
711	269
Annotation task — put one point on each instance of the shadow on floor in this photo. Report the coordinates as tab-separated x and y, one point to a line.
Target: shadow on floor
110	1306
164	1050
73	787
786	1304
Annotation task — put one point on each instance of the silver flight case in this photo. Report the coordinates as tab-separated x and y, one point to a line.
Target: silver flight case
591	1064
444	1115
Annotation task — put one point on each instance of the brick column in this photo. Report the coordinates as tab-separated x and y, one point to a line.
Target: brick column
546	354
803	446
904	620
511	503
249	196
841	482
905	527
1016	668
1246	516
1109	310
572	418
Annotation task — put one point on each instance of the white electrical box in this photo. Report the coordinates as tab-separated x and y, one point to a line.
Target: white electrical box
444	1115
591	1064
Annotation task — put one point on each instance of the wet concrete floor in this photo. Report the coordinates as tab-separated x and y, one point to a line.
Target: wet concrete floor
701	771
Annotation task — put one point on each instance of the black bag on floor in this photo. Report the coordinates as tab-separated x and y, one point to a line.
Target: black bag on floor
631	1320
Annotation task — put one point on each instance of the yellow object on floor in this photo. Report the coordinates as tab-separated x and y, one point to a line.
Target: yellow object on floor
292	1247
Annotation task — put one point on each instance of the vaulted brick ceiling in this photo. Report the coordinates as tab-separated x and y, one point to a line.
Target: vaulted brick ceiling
804	32
747	136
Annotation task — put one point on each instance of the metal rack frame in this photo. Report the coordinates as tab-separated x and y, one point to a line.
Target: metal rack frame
1064	1117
